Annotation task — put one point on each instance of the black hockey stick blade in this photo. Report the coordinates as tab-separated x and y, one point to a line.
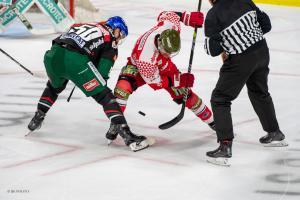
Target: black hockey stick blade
175	120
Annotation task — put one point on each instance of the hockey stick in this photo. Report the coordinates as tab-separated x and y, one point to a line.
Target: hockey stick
69	98
4	52
26	69
179	117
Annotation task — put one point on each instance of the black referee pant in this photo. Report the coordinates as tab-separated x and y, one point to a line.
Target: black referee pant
250	68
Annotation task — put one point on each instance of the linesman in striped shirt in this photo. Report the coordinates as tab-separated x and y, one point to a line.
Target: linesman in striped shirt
235	30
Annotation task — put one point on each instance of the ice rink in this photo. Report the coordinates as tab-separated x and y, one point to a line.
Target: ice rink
68	158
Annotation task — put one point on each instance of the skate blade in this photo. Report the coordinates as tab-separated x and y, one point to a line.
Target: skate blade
28	134
281	143
218	161
142	145
109	142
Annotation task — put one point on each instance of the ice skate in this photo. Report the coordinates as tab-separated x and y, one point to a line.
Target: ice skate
112	133
36	121
274	139
221	155
135	142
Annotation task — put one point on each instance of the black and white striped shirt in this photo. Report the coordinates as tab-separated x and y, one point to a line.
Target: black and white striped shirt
234	31
242	34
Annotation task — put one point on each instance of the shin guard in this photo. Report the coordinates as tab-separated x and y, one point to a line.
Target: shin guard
49	97
122	92
110	106
195	104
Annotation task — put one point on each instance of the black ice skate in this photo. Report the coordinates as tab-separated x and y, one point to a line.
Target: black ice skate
36	121
112	133
135	142
212	125
221	155
274	139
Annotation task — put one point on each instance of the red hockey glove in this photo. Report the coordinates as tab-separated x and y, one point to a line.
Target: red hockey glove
186	80
193	19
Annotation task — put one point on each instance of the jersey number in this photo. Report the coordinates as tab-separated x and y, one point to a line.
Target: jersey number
87	32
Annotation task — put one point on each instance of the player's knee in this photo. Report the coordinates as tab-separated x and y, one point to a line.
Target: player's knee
220	101
104	97
57	90
219	98
131	80
123	89
262	95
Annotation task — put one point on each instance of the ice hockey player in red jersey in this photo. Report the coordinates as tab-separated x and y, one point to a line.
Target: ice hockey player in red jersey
85	54
150	63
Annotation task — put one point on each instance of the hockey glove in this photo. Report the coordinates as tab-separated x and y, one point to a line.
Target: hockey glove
186	80
193	19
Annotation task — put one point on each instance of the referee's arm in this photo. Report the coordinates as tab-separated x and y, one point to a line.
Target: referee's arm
212	44
264	21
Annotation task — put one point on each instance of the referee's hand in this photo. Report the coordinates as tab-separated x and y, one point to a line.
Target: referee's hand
224	56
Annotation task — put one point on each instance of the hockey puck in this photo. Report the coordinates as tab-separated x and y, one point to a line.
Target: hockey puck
141	113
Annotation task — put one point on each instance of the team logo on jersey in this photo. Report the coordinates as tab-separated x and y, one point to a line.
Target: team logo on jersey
76	38
89	86
96	44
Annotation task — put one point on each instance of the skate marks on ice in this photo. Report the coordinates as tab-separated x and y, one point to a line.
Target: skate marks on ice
289	179
16	119
12	116
18	100
282	193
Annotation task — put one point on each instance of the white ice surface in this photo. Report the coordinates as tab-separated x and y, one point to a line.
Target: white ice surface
68	159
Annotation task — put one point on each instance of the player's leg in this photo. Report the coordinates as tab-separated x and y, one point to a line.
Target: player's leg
118	122
85	75
193	103
122	91
55	85
262	102
129	80
233	76
46	101
196	105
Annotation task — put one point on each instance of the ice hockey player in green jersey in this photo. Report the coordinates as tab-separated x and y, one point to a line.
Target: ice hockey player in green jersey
84	55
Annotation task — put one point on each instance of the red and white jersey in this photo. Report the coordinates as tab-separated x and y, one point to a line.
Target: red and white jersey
145	55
